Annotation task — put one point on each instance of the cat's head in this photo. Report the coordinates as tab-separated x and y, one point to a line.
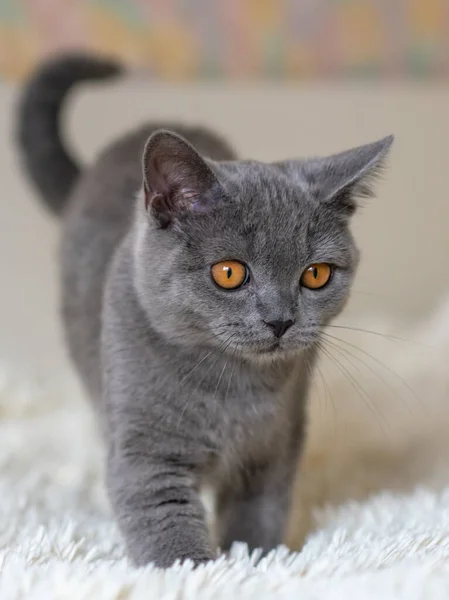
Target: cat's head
250	257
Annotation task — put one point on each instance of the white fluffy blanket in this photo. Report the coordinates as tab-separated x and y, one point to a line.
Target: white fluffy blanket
372	502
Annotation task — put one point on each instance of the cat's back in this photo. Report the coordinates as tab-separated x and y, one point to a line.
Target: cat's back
97	217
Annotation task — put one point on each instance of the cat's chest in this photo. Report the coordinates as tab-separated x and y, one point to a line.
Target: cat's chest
257	412
228	412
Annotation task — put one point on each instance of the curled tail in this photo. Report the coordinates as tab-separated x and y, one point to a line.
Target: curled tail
49	165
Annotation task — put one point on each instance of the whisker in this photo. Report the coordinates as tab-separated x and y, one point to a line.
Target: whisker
357	387
222	373
312	377
328	396
377	361
220	351
347	352
219	379
146	344
231	373
387	336
218	331
197	365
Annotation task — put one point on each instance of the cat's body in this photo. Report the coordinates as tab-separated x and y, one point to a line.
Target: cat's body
194	384
223	445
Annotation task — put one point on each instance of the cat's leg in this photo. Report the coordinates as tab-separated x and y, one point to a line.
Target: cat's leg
257	512
158	510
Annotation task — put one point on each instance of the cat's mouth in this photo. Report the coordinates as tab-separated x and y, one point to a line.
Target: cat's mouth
275	349
269	348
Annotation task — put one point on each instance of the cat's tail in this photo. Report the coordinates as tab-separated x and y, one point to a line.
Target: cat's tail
49	165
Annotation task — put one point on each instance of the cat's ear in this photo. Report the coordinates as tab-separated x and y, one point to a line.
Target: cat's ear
342	179
175	177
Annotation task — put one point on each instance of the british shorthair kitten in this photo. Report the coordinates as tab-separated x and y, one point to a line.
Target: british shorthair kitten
194	290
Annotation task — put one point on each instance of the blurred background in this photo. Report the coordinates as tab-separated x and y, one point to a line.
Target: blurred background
280	78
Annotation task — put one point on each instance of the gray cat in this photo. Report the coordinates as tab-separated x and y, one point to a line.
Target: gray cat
194	290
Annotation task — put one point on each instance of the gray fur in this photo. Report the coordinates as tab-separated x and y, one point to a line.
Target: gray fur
191	386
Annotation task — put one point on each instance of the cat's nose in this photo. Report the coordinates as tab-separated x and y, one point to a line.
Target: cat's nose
279	327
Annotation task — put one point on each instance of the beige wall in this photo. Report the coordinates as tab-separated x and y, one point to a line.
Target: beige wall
403	233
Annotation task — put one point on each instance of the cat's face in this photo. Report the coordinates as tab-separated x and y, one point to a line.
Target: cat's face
248	257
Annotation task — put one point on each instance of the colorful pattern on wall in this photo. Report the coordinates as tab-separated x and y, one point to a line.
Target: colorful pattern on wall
231	39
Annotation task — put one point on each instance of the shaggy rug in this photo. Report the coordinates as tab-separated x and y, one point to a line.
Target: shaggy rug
371	510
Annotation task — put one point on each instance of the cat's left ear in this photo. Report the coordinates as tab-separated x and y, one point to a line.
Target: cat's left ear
342	179
176	178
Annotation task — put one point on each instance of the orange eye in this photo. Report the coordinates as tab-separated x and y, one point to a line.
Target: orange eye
229	274
316	276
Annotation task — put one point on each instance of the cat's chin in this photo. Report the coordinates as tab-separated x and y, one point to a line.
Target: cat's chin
273	353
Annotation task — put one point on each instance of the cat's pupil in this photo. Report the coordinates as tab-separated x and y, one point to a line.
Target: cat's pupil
229	272
315	273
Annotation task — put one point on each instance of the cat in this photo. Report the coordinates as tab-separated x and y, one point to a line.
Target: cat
194	289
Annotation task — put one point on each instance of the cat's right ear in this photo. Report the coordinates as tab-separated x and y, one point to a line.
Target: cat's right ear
175	177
